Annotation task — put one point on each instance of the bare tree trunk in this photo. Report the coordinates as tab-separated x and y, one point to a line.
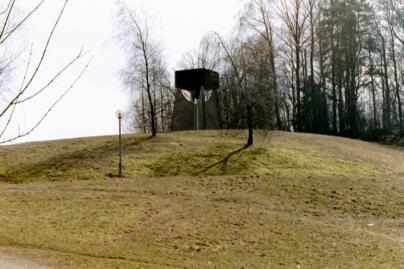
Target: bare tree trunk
294	105
143	114
298	89
149	93
334	95
152	115
250	140
372	81
387	109
323	89
162	109
341	116
397	83
277	99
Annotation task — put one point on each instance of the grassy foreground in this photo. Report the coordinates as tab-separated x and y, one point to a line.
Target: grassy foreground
199	200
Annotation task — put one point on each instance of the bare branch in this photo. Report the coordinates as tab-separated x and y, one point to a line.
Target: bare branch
6	34
45	115
10	9
39	64
53	79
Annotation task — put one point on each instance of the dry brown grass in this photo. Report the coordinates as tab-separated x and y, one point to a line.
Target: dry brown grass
322	202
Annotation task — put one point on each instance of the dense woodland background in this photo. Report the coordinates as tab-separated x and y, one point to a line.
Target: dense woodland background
329	67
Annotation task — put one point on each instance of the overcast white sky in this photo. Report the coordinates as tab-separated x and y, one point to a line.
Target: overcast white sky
89	109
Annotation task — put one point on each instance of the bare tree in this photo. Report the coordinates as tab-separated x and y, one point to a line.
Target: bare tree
294	16
145	71
27	92
396	10
235	53
258	18
206	56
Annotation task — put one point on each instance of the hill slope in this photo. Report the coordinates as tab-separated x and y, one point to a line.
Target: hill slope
201	200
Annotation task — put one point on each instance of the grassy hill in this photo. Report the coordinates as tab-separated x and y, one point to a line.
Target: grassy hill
202	200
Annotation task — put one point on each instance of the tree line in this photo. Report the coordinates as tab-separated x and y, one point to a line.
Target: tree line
329	67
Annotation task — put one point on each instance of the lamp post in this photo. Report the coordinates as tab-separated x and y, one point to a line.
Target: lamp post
119	115
196	115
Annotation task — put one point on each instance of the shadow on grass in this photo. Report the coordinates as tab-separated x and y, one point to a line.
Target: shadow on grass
77	162
223	163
